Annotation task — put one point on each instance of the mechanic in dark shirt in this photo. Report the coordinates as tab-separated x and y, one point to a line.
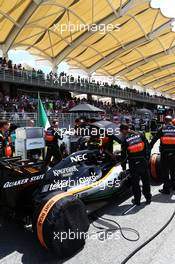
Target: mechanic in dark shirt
154	127
135	149
130	124
52	136
5	149
166	134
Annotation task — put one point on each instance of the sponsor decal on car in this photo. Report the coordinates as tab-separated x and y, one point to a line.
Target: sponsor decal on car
62	184
65	172
79	158
10	184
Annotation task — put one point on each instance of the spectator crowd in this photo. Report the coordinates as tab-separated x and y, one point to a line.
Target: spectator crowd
64	78
24	103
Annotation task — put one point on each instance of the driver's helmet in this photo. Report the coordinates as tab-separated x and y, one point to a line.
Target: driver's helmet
94	143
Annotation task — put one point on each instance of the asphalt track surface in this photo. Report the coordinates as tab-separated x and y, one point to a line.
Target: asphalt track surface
18	245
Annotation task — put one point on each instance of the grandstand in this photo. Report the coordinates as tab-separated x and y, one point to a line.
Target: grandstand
70	84
137	52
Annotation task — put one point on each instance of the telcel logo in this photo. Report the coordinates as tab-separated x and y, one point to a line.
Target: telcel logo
79	158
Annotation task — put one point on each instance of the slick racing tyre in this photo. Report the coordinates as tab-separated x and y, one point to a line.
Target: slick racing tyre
61	224
155	168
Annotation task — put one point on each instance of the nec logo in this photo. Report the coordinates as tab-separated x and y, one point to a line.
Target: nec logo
79	158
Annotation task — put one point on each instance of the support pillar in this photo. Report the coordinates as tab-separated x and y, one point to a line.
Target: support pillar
112	100
4	54
89	97
54	67
131	85
5	89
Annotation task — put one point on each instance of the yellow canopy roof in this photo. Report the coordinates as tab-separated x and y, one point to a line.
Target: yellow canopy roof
125	38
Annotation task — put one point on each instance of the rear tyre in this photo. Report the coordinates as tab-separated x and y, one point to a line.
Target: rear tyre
61	224
155	168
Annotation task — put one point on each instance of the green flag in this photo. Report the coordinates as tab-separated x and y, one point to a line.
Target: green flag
43	120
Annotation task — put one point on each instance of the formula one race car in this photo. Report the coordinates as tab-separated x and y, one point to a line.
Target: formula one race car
55	200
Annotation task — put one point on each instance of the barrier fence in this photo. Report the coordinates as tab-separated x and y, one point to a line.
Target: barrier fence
65	119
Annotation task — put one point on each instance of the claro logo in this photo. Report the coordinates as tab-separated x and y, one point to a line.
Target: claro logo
79	158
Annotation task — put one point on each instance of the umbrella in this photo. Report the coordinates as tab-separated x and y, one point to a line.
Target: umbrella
85	108
111	129
144	111
105	125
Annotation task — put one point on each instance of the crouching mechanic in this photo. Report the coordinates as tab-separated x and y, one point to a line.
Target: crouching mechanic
52	136
166	134
135	149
